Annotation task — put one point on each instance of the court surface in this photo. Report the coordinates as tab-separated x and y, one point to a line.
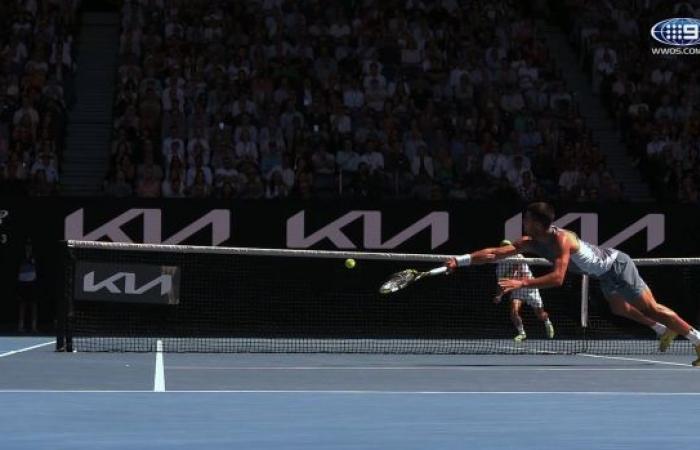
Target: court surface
331	401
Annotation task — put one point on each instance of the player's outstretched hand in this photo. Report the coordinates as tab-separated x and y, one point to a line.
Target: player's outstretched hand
509	284
451	265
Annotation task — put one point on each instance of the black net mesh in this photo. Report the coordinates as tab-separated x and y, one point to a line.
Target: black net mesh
291	303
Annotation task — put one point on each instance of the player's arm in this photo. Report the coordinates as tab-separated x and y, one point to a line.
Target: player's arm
488	254
555	278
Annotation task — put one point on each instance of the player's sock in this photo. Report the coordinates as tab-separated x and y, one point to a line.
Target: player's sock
659	328
521	329
693	336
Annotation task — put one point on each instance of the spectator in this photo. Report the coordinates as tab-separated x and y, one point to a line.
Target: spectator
569	179
422	165
173	187
149	186
277	188
527	189
443	167
199	187
386	82
118	186
372	157
347	158
199	169
323	161
47	166
246	149
494	163
516	171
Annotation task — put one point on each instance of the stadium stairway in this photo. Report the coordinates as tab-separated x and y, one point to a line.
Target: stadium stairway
597	119
86	157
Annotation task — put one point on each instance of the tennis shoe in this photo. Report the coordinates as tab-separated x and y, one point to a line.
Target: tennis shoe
550	330
666	340
520	337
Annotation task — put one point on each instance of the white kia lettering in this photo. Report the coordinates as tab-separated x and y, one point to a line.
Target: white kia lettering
164	281
437	222
654	224
219	219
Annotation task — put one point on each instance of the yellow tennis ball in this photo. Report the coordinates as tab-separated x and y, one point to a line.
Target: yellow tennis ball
350	263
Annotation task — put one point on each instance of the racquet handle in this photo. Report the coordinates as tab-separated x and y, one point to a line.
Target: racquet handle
437	271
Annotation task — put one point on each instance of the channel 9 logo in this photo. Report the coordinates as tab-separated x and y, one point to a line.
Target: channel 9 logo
680	32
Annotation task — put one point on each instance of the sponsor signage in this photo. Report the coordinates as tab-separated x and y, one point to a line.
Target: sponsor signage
130	283
151	227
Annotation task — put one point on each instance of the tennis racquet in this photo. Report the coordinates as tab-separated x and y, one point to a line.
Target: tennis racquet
400	280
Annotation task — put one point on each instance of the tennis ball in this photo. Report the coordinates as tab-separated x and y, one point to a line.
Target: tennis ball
350	263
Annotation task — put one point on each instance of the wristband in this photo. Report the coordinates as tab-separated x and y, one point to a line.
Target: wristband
464	260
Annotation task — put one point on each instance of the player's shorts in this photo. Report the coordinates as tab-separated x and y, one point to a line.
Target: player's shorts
530	296
623	279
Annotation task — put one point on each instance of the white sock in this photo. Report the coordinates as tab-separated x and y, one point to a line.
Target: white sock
547	322
659	328
521	330
693	336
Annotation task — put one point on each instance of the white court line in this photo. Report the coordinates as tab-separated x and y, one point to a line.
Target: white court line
622	358
359	392
457	368
159	372
26	349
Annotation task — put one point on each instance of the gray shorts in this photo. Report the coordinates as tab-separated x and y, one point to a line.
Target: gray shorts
531	296
623	279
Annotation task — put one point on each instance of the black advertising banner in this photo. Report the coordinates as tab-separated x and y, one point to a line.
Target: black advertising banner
126	283
642	230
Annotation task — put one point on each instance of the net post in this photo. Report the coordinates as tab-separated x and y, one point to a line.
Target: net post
64	337
584	301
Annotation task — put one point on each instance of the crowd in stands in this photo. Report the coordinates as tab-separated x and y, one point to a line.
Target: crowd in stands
652	97
36	65
311	99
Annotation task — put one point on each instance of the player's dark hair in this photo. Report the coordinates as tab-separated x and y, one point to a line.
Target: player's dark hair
541	212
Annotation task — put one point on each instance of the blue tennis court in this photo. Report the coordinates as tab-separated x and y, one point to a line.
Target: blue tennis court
331	401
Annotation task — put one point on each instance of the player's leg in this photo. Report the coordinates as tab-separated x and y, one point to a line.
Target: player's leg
534	300
624	279
620	307
544	317
515	307
647	305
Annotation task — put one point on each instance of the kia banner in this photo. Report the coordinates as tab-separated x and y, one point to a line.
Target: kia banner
126	283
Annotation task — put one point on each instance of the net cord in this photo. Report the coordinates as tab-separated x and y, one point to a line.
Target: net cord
253	251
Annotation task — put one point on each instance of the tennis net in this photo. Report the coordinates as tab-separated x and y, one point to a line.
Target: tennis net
127	297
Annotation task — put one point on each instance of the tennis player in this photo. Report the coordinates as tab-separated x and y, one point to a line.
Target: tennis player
531	296
624	289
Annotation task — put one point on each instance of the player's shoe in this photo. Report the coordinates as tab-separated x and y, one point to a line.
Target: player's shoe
520	337
549	328
666	340
696	363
